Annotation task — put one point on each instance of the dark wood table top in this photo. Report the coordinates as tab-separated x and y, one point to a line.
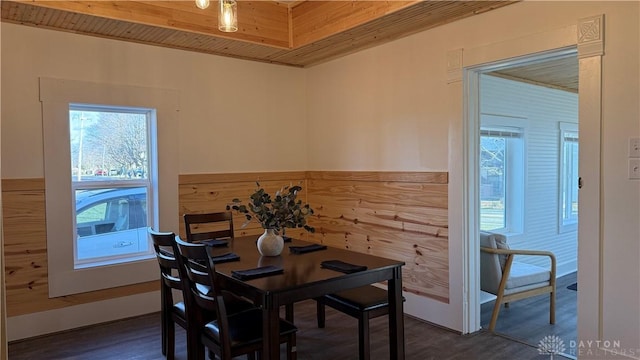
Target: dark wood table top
300	270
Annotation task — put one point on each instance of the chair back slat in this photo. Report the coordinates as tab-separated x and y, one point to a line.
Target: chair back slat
164	246
198	272
218	225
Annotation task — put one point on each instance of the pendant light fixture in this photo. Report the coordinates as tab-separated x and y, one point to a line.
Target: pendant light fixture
227	16
202	4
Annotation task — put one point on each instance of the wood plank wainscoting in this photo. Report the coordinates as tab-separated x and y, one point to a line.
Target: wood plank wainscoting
25	251
400	215
199	193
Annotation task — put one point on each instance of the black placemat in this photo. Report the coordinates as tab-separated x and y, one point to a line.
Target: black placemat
307	248
225	258
215	242
259	272
342	266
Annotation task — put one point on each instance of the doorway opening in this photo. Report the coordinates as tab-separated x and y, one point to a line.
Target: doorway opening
522	155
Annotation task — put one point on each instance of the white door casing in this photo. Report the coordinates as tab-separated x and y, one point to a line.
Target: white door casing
587	36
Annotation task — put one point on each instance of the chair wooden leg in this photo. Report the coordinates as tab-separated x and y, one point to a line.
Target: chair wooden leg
320	314
164	323
292	351
200	352
552	308
363	337
500	294
496	311
170	337
289	312
195	350
164	317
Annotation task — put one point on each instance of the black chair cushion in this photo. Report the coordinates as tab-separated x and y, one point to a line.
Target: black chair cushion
364	298
233	304
178	308
245	328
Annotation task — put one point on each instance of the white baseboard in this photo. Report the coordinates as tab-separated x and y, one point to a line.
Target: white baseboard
51	321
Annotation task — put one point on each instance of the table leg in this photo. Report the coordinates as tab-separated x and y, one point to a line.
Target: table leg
270	332
396	316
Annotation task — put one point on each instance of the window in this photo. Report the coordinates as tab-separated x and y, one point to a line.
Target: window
568	211
501	176
111	183
102	185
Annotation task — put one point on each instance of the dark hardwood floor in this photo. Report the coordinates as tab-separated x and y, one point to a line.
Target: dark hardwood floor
139	338
527	320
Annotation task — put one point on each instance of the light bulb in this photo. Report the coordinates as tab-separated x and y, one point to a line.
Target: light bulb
228	16
202	4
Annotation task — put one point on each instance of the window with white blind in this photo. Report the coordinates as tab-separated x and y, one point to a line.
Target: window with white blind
502	158
568	194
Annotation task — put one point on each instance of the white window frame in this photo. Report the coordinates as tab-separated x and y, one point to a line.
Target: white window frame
147	182
565	224
515	168
56	95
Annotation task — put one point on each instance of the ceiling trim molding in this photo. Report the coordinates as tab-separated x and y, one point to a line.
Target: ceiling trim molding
293	33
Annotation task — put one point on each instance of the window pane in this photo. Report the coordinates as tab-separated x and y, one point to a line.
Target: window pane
109	149
108	145
111	222
492	183
570	183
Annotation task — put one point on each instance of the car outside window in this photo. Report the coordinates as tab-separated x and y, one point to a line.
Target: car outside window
109	149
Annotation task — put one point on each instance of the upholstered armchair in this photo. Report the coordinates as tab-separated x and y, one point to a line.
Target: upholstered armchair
511	280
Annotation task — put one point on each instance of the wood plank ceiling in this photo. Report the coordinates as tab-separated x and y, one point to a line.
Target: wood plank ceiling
291	32
294	33
560	73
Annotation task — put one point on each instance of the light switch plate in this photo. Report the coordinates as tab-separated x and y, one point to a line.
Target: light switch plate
634	147
634	168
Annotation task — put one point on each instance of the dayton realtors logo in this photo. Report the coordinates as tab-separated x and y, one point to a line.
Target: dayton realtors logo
551	345
586	349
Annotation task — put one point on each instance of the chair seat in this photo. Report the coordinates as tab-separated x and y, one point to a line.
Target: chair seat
522	274
178	308
245	328
364	298
234	305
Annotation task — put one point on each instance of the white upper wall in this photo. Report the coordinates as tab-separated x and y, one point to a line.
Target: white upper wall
236	115
380	109
390	108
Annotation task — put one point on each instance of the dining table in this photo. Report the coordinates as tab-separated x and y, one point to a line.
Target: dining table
304	277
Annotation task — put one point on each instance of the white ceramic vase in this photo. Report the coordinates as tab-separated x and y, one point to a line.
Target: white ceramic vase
270	243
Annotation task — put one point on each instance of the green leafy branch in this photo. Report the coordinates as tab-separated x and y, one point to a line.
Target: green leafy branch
282	211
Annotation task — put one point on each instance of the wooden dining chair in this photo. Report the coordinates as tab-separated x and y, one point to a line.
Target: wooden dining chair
230	335
363	303
217	225
171	312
